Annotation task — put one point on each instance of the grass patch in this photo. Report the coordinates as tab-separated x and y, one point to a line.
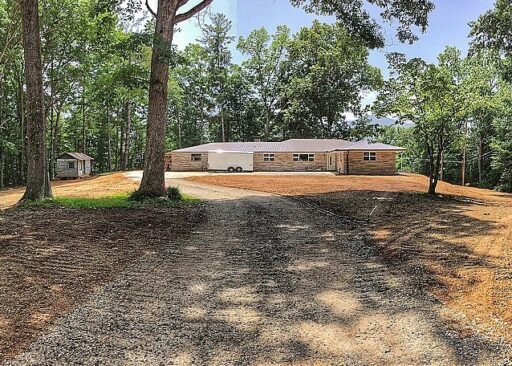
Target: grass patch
116	201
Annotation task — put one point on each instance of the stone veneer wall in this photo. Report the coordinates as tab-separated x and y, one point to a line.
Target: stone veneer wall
182	162
384	165
283	162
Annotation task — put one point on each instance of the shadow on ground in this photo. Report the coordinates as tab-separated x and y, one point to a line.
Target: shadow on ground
271	280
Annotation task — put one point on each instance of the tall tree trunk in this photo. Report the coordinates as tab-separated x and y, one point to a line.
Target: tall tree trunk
153	179
21	118
109	142
52	136
441	169
127	131
223	126
2	165
202	121
267	125
464	148
38	180
83	121
480	153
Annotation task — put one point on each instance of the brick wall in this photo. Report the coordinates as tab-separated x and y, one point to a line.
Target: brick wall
384	165
182	162
283	162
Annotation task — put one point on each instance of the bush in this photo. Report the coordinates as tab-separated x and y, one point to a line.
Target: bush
174	194
142	195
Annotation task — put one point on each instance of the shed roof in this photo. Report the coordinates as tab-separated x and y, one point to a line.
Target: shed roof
292	145
76	155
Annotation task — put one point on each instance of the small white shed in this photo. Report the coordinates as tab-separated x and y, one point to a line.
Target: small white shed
74	165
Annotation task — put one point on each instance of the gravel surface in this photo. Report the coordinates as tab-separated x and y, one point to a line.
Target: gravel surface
265	280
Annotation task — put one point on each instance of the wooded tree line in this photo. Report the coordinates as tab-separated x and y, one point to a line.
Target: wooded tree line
461	108
98	55
96	62
94	79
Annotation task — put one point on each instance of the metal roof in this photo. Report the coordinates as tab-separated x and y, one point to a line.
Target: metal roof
368	146
293	145
77	155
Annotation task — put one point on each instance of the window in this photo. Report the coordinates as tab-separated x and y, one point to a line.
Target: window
195	157
303	157
369	156
71	165
268	157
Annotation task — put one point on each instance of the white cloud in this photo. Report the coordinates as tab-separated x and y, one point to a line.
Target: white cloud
369	98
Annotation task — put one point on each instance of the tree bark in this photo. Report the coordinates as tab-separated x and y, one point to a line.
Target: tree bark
21	118
153	178
38	180
480	153
109	142
464	148
126	137
83	121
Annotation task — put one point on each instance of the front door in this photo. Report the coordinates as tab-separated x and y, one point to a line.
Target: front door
331	162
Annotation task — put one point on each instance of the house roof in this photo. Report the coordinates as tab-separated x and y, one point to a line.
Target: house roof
77	155
293	145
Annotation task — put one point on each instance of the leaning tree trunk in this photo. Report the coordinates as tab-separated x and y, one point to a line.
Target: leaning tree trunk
153	179
38	181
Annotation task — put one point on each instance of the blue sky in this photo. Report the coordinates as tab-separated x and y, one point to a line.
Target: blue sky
448	25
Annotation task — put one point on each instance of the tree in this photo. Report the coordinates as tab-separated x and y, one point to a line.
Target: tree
38	180
428	96
327	72
216	40
354	16
167	16
264	68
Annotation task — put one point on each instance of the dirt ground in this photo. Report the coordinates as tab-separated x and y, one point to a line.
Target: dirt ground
250	278
52	259
458	246
259	280
100	186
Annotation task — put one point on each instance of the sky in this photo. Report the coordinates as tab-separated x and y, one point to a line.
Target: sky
448	26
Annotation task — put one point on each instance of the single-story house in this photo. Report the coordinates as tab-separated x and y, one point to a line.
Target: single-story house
74	165
341	156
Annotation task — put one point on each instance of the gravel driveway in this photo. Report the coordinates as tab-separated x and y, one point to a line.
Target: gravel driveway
267	280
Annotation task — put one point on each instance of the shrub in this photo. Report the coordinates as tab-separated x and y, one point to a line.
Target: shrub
174	194
142	195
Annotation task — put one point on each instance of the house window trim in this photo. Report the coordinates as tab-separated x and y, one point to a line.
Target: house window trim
269	157
296	157
71	165
193	156
369	156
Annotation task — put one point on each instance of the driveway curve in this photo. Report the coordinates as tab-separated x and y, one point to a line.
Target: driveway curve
265	280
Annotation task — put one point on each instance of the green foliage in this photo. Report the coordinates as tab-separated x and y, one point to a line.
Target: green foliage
354	16
428	96
174	194
139	196
327	72
265	68
116	201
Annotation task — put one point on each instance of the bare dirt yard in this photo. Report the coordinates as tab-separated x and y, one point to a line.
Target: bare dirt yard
100	186
253	278
51	259
458	246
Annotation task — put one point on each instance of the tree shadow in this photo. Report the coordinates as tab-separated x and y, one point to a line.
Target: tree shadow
272	280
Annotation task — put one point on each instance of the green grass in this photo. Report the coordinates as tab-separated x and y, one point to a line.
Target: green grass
116	201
